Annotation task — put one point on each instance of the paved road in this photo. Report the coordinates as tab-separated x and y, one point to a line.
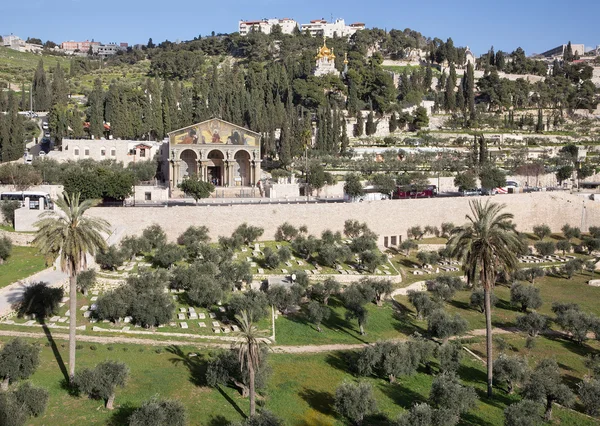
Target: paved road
13	293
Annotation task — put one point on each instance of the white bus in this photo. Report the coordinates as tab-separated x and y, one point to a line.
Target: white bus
34	198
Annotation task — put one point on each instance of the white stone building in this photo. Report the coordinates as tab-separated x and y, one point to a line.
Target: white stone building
265	26
124	151
322	28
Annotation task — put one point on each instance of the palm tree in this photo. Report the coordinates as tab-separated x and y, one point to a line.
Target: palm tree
70	235
249	346
486	246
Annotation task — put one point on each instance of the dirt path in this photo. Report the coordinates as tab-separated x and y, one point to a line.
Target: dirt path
152	342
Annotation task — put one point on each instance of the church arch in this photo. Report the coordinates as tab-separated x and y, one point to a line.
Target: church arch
189	163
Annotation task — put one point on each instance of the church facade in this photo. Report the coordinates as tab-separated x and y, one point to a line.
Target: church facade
219	152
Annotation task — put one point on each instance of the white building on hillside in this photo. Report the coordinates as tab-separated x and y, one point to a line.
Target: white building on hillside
265	26
322	28
123	151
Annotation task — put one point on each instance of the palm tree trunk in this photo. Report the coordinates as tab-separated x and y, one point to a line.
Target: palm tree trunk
252	396
72	323
488	335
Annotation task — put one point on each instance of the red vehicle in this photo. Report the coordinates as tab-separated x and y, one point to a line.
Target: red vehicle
403	192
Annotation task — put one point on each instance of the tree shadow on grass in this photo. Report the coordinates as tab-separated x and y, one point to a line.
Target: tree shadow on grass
472	419
507	306
196	364
342	360
400	394
120	416
404	321
55	351
460	305
581	350
322	402
218	420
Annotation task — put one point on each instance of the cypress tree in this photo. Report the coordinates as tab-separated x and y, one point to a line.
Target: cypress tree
353	104
114	111
359	126
470	90
539	127
96	110
335	131
40	87
393	124
12	134
285	149
345	142
568	55
428	79
60	92
76	124
460	100
24	104
450	96
168	107
371	127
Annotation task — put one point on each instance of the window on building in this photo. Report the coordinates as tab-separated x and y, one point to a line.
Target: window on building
76	151
86	152
102	152
113	152
142	152
148	196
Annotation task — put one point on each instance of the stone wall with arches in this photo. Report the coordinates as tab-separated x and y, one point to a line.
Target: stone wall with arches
216	151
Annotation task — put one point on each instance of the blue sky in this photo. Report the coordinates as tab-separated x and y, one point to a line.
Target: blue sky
534	25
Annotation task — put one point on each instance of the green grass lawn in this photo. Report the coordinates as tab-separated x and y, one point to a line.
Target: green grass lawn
383	323
552	289
23	262
301	388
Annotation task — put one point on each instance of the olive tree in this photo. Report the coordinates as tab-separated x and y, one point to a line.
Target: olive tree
443	325
511	370
448	393
545	385
542	231
86	280
532	323
589	394
355	298
527	296
355	401
317	313
102	381
159	412
18	361
523	413
423	304
477	300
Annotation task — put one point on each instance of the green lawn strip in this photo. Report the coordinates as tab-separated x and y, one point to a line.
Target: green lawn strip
300	389
23	262
382	323
552	289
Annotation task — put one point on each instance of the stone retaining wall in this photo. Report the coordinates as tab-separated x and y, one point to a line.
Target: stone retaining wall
383	217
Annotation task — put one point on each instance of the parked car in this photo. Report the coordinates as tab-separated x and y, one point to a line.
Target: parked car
470	192
47	134
45	125
488	191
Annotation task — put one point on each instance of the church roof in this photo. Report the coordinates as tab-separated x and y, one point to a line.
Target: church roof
210	121
325	52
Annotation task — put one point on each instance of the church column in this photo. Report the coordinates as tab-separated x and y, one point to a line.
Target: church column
204	175
252	175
